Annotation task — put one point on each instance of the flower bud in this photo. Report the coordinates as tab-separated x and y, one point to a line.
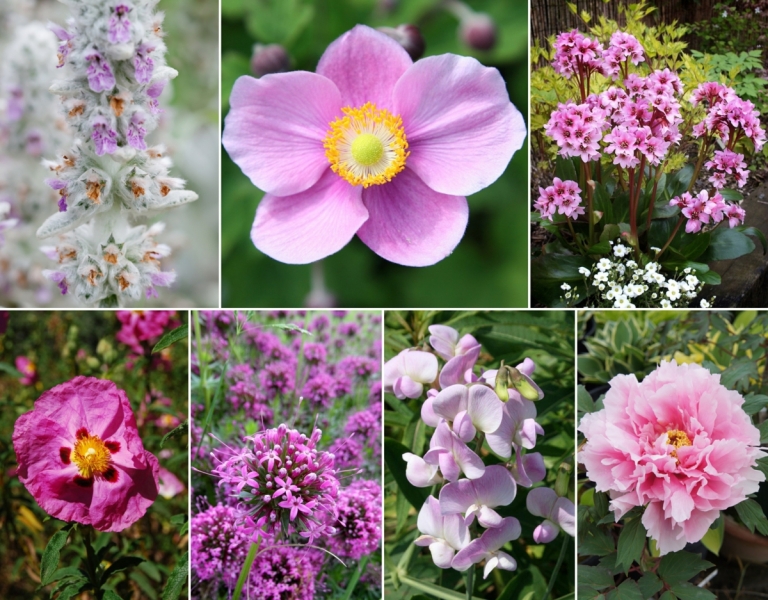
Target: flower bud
563	478
523	384
478	31
409	37
271	58
502	383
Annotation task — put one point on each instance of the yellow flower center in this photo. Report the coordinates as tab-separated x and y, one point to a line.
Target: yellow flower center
678	439
91	456
367	146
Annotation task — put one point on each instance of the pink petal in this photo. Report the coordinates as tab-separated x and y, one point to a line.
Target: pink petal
485	408
565	516
405	387
461	127
471	554
457	497
463	427
442	554
540	501
493	539
546	532
451	401
428	414
430	520
275	128
487	517
365	65
418	472
411	224
471	464
420	366
454	369
449	467
456	532
443	340
496	487
310	225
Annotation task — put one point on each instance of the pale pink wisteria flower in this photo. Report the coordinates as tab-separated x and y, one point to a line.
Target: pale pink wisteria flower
679	444
371	144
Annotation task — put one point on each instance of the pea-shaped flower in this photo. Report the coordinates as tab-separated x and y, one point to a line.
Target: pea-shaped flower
81	457
371	144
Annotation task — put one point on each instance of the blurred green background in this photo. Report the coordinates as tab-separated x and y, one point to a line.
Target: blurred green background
488	268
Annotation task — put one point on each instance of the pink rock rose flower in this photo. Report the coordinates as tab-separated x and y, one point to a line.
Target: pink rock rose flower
371	144
28	370
81	457
679	444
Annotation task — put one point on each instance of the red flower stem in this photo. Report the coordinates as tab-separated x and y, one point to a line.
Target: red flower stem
587	179
671	237
699	162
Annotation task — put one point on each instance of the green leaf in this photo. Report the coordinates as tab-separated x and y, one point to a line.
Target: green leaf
62	574
177	580
603	247
738	374
549	271
175	432
762	464
631	543
565	169
649	584
727	244
751	514
50	559
687	591
753	403
668	596
584	401
680	566
731	195
171	337
679	181
763	427
122	563
72	590
628	590
434	590
597	578
758	234
290	327
110	595
393	458
693	246
12	371
713	539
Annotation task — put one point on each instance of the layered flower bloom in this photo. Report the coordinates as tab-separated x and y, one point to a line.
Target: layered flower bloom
679	444
81	457
371	144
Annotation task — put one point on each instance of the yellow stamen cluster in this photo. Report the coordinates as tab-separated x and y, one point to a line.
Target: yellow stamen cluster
91	456
678	439
367	146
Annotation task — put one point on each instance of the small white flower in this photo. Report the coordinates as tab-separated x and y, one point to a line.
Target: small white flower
601	287
601	277
620	250
704	303
692	280
604	264
687	270
665	303
655	249
654	295
565	287
584	271
568	295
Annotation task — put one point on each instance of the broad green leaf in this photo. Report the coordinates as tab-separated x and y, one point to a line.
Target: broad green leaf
597	578
549	271
681	566
738	374
171	337
110	595
50	559
434	590
751	514
12	371
628	590
631	543
687	591
393	458
727	244
758	234
649	584
584	401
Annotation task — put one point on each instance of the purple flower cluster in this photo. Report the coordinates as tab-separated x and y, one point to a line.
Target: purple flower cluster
563	197
358	525
286	572
219	544
496	405
284	482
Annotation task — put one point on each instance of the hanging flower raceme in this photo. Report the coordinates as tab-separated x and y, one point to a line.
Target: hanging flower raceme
679	444
283	483
371	144
81	457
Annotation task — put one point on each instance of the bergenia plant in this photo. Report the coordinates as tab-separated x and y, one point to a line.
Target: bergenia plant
283	507
481	483
619	193
372	144
111	176
663	459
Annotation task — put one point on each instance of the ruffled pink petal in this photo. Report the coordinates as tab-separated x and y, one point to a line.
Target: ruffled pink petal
310	225
546	532
411	224
365	65
669	536
275	128
462	129
118	504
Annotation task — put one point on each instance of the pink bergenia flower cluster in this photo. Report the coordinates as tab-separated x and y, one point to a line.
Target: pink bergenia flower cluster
464	406
728	116
678	444
371	144
563	197
699	209
286	483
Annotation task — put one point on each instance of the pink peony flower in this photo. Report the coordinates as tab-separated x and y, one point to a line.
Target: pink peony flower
371	144
679	444
81	457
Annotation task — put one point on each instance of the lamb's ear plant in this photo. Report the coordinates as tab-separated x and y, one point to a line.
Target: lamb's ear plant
110	176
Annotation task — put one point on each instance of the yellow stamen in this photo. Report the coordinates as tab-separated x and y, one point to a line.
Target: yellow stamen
367	146
678	439
91	456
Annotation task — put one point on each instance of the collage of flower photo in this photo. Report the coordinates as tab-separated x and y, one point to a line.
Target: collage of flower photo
383	299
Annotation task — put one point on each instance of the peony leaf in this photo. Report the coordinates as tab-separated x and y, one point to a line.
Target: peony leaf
50	559
678	567
597	578
626	591
631	543
751	515
649	584
754	403
687	591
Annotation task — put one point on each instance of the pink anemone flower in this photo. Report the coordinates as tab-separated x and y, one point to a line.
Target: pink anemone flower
488	547
559	513
479	497
678	443
81	457
371	144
